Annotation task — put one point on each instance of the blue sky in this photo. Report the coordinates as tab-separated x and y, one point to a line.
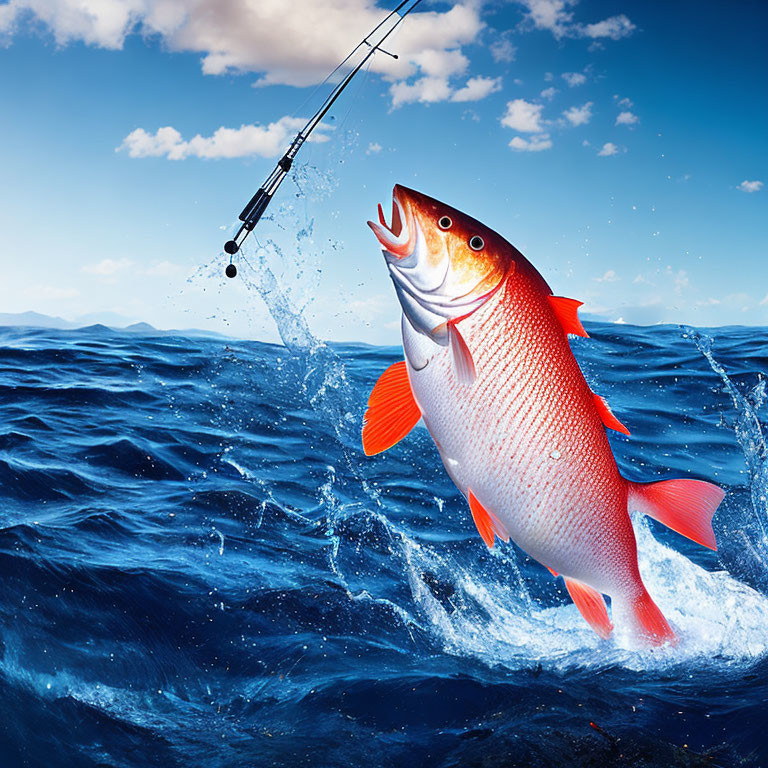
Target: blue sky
620	145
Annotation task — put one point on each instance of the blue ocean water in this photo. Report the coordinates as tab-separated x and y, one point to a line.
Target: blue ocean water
199	567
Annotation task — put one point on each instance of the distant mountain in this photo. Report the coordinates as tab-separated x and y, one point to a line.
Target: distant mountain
99	322
35	320
141	328
110	319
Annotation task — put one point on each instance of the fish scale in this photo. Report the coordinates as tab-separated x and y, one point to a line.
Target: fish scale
490	370
544	502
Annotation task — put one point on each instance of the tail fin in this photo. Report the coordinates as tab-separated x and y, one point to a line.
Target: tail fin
685	506
650	620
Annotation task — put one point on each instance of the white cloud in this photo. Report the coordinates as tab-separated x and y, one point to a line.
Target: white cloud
427	90
623	103
613	28
440	63
104	23
579	115
107	267
246	141
556	17
608	149
534	144
627	118
477	88
373	148
288	46
608	277
503	51
549	93
523	116
574	78
750	186
139	143
551	15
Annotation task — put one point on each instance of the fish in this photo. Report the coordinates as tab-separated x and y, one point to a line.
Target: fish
489	370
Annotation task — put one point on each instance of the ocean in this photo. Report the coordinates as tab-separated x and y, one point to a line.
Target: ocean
199	566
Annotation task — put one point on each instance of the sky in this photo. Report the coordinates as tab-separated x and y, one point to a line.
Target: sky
621	146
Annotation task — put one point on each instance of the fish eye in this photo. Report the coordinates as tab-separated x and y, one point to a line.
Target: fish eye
476	242
444	222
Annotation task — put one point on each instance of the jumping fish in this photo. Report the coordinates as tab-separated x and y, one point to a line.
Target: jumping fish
489	368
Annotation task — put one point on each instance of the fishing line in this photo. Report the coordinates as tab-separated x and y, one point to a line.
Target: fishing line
360	86
257	205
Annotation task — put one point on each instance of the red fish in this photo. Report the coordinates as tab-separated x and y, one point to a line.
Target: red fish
489	369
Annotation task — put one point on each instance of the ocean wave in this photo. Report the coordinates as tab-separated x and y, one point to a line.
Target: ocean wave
200	566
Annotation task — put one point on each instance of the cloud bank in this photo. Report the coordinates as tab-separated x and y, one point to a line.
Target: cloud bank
245	141
284	45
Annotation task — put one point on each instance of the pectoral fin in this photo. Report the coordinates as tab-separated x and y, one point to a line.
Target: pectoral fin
463	363
392	411
488	525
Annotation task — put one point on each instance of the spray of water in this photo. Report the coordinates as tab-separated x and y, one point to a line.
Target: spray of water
283	268
746	422
715	615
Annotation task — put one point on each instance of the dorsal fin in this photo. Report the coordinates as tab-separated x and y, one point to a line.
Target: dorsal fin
487	523
607	417
392	411
567	313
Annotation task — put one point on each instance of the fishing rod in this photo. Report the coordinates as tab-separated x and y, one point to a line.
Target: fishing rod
257	205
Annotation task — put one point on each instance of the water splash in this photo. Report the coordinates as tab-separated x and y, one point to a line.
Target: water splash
486	612
283	269
750	434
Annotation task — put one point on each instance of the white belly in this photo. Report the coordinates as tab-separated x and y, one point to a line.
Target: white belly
511	462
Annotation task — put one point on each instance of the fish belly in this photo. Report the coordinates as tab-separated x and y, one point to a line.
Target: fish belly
528	442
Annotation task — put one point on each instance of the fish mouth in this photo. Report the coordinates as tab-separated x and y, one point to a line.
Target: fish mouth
398	239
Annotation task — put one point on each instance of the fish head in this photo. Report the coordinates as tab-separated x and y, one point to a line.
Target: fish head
444	264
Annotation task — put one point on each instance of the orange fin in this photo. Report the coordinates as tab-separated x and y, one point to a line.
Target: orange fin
685	506
487	523
591	605
463	363
566	311
607	417
651	623
392	411
554	573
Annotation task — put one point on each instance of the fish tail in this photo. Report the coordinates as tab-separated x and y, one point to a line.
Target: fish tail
649	620
685	506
